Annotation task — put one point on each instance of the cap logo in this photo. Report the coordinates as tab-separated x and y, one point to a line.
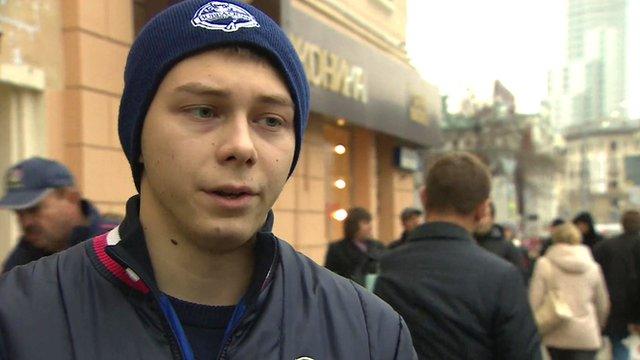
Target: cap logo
14	179
218	15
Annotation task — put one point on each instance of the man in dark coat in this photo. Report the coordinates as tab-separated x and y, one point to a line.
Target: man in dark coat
585	223
212	117
357	255
490	236
460	301
50	210
547	242
619	258
410	218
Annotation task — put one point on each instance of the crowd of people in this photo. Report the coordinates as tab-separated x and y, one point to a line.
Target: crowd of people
212	119
467	291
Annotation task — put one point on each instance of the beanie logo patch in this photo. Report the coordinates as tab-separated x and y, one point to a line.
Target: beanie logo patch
218	15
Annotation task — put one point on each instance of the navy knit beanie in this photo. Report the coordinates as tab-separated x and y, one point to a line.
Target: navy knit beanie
190	27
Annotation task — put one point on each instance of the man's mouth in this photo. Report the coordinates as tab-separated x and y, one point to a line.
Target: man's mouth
232	190
232	197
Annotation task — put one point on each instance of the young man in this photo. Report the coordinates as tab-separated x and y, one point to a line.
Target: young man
410	218
460	301
50	210
211	119
619	258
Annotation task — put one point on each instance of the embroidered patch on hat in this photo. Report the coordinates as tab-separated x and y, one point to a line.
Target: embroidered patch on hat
14	179
218	15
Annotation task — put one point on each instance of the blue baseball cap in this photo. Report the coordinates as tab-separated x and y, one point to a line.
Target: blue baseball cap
29	181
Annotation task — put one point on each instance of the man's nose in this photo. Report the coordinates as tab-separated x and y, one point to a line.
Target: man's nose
237	143
26	218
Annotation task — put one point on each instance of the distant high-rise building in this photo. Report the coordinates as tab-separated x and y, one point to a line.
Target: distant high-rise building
593	82
633	59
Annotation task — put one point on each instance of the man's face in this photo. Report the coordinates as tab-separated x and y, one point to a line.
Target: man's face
365	230
412	222
217	146
583	227
485	225
47	225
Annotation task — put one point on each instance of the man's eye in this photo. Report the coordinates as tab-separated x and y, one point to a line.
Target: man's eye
271	122
202	112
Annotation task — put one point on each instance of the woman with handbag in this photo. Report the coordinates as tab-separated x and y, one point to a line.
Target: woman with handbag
569	297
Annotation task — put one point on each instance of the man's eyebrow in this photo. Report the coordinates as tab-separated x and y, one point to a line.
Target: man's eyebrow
197	88
276	100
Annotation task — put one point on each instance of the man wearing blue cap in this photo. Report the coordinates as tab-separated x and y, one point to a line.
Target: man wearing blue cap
51	212
211	120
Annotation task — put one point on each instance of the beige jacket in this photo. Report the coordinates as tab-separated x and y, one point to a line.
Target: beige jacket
572	270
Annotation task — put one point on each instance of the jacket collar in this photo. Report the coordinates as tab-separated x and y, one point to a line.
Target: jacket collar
124	255
439	231
496	233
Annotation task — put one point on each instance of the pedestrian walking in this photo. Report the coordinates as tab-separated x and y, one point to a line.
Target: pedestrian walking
569	296
491	237
619	258
459	300
547	242
585	223
410	218
357	255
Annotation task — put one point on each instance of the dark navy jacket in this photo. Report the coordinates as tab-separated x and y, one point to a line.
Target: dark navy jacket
25	253
619	258
495	242
460	301
97	301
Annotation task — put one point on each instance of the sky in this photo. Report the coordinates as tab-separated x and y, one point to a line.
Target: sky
462	45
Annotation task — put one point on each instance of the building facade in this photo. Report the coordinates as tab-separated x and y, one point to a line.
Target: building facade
524	154
371	112
602	169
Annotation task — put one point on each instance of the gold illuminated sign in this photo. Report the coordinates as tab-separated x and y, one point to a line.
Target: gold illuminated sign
418	110
330	71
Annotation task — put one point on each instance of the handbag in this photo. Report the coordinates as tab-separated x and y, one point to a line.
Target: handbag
553	311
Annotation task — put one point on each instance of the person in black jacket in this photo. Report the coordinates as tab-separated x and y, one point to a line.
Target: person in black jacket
619	258
459	301
586	225
50	210
547	242
211	119
357	255
410	218
490	236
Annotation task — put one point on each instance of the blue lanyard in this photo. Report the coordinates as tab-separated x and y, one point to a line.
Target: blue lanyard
181	336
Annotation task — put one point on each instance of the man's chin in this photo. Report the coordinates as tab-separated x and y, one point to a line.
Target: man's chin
221	241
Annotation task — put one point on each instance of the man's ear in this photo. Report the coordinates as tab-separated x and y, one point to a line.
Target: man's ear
483	210
72	195
423	196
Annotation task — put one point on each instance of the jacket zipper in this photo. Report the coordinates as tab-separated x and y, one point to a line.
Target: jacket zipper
225	347
176	351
